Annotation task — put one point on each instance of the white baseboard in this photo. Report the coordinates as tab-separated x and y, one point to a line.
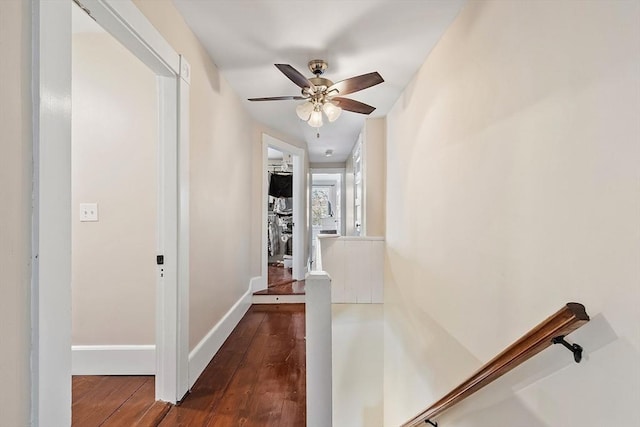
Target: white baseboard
258	283
113	360
202	354
278	299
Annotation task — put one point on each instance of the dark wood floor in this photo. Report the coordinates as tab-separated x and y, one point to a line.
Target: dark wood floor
278	275
296	287
256	379
280	282
116	401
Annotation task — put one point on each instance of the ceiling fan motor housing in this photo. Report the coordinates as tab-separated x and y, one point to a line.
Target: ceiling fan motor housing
317	66
321	82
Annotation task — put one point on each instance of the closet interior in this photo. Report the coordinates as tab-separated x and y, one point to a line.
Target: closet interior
280	210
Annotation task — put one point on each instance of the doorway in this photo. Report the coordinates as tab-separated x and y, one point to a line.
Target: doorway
114	187
327	204
52	218
279	218
294	157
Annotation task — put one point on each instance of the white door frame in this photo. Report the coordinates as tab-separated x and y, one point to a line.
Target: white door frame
51	222
299	211
343	195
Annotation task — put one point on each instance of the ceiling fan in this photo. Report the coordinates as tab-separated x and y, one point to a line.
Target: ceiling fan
322	95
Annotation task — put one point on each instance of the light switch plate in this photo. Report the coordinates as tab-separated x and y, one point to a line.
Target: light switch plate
88	212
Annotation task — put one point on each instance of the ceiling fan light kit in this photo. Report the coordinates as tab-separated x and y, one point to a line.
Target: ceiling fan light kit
321	94
304	110
331	110
315	121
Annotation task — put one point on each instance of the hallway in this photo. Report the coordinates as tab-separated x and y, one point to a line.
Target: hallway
257	378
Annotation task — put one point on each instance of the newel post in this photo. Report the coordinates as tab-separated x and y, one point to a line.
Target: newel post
318	337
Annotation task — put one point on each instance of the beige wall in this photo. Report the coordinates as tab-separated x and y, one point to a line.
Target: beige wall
15	211
114	163
374	137
512	188
221	202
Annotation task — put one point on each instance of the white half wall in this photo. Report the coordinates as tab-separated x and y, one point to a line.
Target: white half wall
356	267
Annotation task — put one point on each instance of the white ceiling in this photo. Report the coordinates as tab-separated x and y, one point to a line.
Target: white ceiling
246	37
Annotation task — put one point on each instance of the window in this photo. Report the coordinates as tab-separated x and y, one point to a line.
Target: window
321	207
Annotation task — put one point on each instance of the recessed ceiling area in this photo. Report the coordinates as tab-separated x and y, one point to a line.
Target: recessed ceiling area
245	38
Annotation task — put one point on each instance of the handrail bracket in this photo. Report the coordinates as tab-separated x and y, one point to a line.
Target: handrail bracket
431	422
573	348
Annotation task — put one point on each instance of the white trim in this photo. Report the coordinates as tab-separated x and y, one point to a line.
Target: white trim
129	26
182	385
185	70
319	350
255	284
51	221
51	275
343	195
202	354
278	299
113	359
167	244
299	211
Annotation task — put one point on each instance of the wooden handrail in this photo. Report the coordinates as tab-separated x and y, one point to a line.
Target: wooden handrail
566	320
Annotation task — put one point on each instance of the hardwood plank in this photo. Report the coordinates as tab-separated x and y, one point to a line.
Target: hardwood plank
101	401
295	287
260	388
278	275
154	415
280	282
266	410
267	308
131	411
82	384
293	414
237	395
198	408
256	379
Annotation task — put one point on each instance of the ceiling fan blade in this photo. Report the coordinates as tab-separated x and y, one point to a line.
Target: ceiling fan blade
355	84
295	76
353	105
277	98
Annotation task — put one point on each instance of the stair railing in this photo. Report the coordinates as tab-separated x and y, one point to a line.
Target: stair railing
550	331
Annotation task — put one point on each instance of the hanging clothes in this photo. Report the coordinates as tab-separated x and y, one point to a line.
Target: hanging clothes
281	185
283	205
272	237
